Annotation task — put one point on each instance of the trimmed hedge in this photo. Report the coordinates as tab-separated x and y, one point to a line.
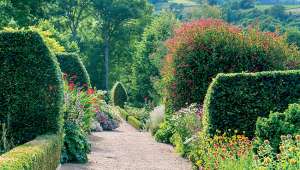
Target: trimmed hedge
43	153
119	95
31	90
72	66
123	114
134	122
235	101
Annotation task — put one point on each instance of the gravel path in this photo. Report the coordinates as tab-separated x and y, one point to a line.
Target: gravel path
128	149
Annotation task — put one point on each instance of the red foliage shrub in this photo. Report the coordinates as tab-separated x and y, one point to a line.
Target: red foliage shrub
202	49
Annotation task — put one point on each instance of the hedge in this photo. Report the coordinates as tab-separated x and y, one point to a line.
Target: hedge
123	114
134	122
43	153
201	49
31	89
119	95
72	66
235	101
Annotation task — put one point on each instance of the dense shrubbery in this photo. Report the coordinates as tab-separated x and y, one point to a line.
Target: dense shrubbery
76	145
73	68
235	101
181	127
119	95
186	123
287	158
148	58
42	153
78	117
31	90
86	110
278	124
202	49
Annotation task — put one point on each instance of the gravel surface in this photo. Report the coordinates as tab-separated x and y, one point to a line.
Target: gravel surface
128	149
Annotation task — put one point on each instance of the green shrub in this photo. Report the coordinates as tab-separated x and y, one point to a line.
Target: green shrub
123	114
141	114
278	124
287	158
31	90
235	101
134	122
202	49
164	133
186	123
76	145
119	95
72	66
43	153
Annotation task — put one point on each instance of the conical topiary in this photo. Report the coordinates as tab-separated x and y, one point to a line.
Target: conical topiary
119	95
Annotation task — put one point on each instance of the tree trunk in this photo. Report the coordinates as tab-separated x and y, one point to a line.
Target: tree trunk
106	59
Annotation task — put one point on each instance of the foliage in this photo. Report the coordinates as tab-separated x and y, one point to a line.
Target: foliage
73	68
293	36
79	113
106	121
32	90
114	16
134	122
156	118
80	106
164	133
148	57
278	124
119	95
186	123
207	47
221	152
76	145
288	158
235	101
141	114
40	153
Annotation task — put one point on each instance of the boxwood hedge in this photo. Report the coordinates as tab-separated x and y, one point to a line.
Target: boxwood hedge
134	122
235	101
43	153
31	89
72	66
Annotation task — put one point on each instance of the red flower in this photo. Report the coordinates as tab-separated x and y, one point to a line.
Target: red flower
90	91
71	86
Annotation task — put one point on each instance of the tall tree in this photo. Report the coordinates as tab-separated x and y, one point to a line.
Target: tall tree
114	14
74	11
29	12
148	57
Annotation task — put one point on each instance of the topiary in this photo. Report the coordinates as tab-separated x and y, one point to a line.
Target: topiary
31	90
235	101
119	95
74	70
202	49
278	124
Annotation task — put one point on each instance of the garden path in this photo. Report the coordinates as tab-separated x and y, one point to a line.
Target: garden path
128	149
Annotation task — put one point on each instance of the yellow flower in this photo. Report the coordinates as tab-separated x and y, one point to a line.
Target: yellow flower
292	149
267	160
292	161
